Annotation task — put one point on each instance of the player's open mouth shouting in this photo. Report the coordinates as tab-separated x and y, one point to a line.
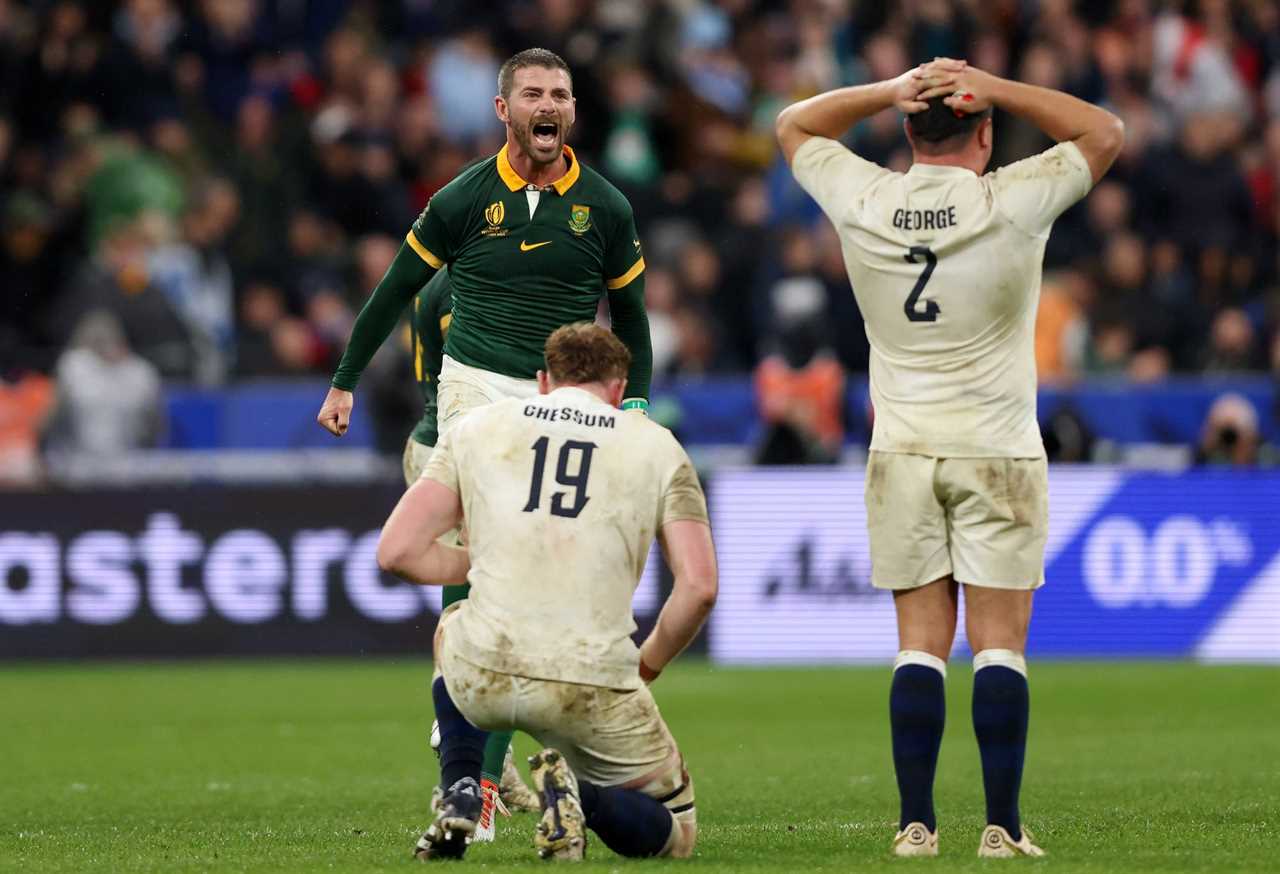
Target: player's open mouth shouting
545	137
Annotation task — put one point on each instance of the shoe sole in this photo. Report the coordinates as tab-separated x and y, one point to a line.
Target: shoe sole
513	792
561	832
446	838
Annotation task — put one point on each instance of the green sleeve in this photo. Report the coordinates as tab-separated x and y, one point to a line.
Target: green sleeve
407	273
429	236
631	324
624	278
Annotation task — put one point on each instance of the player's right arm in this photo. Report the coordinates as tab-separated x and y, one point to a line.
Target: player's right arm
423	252
830	115
808	133
1097	133
409	545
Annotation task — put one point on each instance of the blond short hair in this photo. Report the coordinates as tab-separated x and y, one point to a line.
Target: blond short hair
584	352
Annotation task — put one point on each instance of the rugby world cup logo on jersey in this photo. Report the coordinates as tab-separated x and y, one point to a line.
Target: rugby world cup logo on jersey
580	218
493	216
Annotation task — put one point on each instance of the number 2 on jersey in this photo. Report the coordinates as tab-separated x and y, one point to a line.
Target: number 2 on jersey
576	481
931	308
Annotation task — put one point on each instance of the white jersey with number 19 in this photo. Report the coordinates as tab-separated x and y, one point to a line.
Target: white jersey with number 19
945	265
563	496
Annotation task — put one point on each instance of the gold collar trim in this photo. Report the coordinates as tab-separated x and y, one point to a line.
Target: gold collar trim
515	182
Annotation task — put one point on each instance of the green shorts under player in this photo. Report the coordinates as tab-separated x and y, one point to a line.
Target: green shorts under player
429	326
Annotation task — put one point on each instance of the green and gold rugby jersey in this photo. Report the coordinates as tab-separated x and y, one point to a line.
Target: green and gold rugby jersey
430	324
517	277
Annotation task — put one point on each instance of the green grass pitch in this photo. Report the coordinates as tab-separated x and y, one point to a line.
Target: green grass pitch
323	766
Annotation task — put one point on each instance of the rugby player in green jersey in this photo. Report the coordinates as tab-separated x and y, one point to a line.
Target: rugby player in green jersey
532	239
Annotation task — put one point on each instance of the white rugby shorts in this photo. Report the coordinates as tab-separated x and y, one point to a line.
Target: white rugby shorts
984	521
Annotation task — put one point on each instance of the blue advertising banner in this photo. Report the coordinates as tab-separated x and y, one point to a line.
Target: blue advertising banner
1137	565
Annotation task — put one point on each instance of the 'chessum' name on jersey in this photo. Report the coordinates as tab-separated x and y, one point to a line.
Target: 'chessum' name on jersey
569	414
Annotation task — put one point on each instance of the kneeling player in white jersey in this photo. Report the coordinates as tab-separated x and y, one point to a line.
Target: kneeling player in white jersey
945	264
562	496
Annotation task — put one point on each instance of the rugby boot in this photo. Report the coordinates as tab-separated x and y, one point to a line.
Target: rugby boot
455	815
518	797
561	833
915	840
996	844
487	828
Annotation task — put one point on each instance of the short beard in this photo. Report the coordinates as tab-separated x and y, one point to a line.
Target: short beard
524	136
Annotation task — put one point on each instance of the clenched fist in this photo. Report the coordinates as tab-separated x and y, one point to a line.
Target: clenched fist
335	412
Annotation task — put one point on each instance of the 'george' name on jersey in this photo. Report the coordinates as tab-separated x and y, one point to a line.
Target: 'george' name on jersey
924	219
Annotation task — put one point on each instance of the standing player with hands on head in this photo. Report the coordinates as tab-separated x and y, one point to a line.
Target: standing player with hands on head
945	264
532	239
563	496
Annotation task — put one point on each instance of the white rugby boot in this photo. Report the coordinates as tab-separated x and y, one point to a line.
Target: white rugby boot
996	844
491	806
561	833
915	840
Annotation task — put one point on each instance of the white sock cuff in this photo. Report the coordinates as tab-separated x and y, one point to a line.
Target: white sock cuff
1005	658
918	657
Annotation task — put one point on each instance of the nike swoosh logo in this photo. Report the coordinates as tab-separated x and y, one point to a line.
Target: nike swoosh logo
529	247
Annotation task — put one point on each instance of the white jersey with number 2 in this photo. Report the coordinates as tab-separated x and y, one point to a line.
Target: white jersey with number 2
945	265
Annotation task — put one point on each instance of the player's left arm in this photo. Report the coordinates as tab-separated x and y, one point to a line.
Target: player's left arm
685	534
408	546
624	280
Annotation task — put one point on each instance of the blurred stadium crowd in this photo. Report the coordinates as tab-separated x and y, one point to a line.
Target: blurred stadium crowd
205	190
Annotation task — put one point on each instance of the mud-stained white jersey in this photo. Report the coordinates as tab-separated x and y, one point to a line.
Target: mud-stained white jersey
562	496
945	266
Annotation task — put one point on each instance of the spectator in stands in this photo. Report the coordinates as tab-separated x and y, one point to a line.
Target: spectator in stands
274	343
1194	193
1232	345
1230	435
33	265
268	180
118	279
800	394
195	276
135	73
660	299
335	122
25	401
108	397
1061	328
462	76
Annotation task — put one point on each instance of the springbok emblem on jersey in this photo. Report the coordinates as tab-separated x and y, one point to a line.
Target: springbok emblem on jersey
580	218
